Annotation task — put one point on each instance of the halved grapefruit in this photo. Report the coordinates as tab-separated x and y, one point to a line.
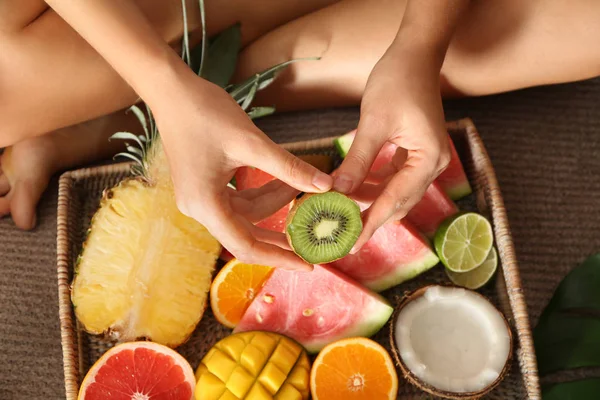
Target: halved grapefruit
234	288
139	371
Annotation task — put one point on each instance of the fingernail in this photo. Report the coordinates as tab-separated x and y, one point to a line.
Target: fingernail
322	182
342	184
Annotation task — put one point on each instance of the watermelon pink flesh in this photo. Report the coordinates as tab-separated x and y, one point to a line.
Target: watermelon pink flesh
428	214
453	180
315	308
395	253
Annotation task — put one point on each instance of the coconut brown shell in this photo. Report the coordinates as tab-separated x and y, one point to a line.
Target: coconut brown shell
414	380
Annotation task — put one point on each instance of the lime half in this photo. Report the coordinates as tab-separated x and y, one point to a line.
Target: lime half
464	241
477	277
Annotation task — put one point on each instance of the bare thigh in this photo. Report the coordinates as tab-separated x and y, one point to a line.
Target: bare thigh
499	46
51	78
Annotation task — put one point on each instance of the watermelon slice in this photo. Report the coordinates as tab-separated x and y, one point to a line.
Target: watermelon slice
395	253
315	308
429	213
453	180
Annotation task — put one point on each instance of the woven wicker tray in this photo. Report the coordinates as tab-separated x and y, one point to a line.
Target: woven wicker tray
79	195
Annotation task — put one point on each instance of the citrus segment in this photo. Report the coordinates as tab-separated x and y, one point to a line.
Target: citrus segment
254	365
234	288
464	241
139	370
477	277
354	368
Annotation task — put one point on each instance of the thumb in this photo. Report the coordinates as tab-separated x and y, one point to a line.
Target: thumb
280	163
354	169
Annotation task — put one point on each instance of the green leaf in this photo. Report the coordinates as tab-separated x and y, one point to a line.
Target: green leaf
250	96
580	289
265	78
258	112
565	342
585	389
204	38
127	136
221	56
185	47
141	117
130	156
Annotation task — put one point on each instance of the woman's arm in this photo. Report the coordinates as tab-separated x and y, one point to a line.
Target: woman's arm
206	134
402	105
121	34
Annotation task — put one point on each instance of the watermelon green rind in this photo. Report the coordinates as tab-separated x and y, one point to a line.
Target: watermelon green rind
343	143
459	191
406	273
374	319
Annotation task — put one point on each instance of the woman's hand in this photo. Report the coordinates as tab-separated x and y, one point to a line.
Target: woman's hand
207	136
402	106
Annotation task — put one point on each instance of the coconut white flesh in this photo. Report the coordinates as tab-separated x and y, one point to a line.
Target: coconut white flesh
453	339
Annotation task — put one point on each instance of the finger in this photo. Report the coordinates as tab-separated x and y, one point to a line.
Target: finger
4	184
269	187
268	236
363	151
264	205
233	233
402	192
280	163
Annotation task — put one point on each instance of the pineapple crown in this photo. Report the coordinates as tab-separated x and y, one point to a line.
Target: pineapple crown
215	62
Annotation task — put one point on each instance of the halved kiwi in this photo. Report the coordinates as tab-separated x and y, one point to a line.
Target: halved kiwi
323	227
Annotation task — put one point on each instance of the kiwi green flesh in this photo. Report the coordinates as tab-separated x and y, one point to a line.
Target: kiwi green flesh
325	227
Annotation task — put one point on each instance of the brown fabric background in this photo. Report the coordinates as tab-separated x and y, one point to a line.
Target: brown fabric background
544	143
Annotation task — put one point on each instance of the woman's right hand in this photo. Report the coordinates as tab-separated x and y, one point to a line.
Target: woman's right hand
207	137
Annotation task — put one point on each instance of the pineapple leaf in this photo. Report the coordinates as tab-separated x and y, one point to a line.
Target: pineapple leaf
258	112
185	48
151	119
221	56
265	78
130	156
141	117
127	136
204	39
135	150
251	94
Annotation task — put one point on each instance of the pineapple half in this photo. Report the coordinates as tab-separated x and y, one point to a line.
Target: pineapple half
145	269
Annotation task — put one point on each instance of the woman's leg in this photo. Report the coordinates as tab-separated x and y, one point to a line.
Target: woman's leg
500	46
50	80
48	71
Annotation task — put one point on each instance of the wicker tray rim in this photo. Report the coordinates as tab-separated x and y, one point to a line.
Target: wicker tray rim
70	339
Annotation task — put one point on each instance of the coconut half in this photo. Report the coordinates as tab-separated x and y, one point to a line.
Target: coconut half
451	342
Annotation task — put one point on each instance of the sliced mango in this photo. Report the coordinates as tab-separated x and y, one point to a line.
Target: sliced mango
254	366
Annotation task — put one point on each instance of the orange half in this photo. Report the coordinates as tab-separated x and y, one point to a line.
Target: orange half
353	369
234	288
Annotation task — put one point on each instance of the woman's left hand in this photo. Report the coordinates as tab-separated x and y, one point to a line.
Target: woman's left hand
402	106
